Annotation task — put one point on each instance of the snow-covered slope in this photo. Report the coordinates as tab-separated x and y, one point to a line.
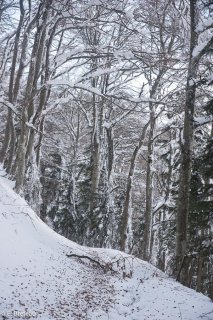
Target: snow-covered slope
38	280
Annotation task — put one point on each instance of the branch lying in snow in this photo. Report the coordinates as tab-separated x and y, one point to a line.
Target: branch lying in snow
106	267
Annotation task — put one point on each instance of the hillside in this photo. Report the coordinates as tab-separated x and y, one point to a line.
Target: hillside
38	280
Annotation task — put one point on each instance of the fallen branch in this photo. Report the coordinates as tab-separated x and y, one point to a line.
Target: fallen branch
106	267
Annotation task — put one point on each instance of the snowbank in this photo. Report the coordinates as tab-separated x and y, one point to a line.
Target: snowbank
38	280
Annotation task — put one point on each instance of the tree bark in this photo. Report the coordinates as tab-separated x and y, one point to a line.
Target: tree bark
28	108
10	130
127	202
149	190
186	148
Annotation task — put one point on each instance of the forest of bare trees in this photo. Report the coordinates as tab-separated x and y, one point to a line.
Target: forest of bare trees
106	124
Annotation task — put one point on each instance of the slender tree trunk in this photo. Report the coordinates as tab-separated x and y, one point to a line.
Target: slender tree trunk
186	150
28	108
96	141
10	134
96	157
109	189
126	215
199	273
127	203
6	136
146	246
149	190
110	151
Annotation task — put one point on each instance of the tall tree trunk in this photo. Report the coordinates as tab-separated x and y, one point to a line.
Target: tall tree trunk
127	203
111	224
146	247
149	189
10	130
96	156
28	108
110	151
93	39
186	148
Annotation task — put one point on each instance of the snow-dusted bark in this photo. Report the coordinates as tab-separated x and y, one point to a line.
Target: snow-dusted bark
10	134
28	107
196	53
126	214
186	157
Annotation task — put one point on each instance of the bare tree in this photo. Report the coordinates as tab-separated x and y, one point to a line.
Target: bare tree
195	55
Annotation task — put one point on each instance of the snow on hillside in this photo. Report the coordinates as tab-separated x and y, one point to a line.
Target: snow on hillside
38	280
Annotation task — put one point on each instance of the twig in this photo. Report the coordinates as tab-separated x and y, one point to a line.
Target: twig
104	267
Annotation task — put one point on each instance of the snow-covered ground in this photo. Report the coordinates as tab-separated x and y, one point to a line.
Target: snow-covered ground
38	280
